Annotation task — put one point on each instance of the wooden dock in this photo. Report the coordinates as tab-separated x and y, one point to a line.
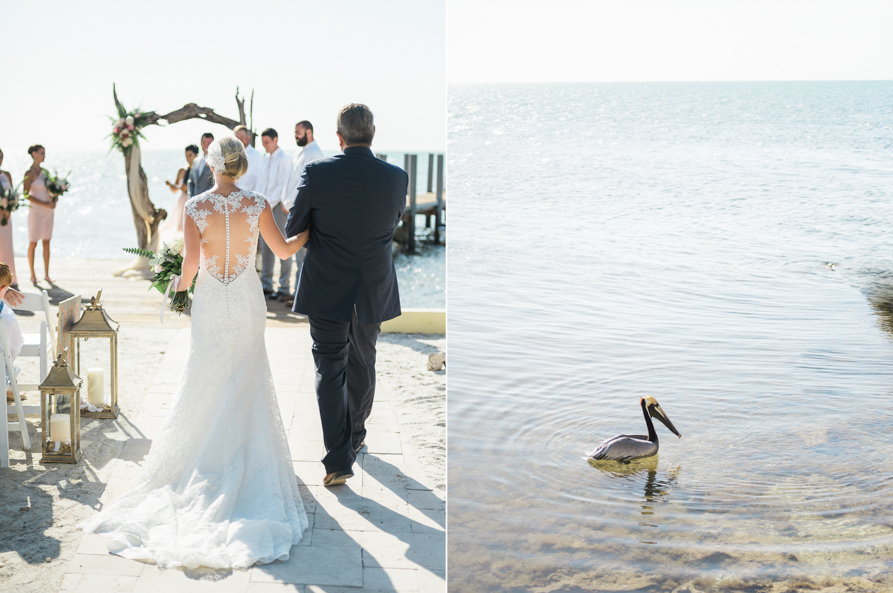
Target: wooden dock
430	204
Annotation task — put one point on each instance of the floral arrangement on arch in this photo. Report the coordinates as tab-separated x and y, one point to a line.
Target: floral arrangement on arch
126	129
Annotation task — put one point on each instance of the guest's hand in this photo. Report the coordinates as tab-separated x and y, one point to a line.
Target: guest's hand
13	297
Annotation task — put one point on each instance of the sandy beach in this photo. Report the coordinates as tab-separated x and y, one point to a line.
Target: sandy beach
388	522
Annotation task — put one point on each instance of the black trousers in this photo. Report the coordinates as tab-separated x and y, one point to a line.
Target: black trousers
344	354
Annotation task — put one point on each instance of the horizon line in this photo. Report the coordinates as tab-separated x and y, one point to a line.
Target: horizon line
673	81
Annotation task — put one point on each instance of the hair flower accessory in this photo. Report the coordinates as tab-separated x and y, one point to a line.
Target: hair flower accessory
215	159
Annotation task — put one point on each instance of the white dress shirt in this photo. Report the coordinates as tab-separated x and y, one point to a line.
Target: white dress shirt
311	152
251	180
276	171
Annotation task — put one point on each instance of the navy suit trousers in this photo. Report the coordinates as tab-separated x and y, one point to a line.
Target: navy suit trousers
344	354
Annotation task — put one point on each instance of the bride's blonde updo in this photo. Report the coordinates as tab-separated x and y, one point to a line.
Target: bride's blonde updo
227	157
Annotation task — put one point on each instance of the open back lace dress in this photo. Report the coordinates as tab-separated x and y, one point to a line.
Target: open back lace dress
217	488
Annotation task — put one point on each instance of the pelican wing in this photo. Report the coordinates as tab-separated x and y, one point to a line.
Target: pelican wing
624	447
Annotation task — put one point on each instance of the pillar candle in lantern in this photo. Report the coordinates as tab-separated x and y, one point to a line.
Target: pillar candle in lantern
95	387
60	427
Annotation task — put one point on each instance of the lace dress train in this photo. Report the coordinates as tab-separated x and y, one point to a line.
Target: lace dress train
217	488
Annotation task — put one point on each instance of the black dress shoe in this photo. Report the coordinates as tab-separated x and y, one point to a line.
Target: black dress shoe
335	478
268	291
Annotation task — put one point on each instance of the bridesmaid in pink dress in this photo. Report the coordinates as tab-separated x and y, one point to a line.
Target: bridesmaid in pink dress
173	224
6	252
40	217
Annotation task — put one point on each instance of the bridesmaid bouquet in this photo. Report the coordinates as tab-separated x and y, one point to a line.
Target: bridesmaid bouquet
57	184
10	200
168	262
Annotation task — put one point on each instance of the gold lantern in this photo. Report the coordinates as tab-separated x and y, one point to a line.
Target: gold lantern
95	323
61	433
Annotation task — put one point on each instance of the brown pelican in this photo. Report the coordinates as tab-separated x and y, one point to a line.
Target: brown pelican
626	447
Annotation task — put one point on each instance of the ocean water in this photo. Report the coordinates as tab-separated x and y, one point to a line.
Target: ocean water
94	218
726	248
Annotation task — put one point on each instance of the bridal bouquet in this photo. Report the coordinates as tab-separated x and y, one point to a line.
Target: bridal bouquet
9	203
57	184
168	262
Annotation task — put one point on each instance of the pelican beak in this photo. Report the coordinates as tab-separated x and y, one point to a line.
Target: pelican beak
658	414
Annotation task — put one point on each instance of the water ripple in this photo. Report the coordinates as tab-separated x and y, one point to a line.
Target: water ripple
723	248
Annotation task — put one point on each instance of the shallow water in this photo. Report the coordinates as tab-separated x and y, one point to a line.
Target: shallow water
94	219
615	241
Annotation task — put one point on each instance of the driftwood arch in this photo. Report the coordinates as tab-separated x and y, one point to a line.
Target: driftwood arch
146	217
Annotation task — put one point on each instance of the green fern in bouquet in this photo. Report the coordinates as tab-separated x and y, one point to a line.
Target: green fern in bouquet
168	262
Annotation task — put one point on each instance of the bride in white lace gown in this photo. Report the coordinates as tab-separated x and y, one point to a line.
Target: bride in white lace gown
217	488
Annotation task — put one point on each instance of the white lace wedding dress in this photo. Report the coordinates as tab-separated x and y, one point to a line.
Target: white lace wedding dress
217	488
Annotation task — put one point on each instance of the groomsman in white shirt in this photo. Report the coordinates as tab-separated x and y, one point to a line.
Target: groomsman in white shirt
250	181
274	177
310	151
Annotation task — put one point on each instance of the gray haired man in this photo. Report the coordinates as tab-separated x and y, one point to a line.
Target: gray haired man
352	203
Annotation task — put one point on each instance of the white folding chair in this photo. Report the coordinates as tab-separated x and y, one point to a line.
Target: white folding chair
17	408
42	345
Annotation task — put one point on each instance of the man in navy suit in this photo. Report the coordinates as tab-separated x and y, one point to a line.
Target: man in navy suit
201	178
352	203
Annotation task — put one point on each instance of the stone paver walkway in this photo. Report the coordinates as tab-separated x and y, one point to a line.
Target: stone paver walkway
382	531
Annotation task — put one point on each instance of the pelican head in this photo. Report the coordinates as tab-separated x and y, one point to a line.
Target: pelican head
656	412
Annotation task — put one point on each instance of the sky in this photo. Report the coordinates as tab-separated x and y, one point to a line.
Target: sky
304	60
492	41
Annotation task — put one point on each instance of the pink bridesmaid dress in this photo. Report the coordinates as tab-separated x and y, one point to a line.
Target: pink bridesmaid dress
173	224
7	255
40	218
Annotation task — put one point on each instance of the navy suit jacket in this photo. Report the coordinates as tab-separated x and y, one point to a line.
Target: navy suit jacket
352	203
198	184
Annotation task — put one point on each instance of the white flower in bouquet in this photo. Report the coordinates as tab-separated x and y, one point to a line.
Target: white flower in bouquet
4	203
176	246
126	142
119	123
158	269
129	120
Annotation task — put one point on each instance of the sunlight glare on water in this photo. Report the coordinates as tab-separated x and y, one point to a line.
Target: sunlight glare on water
94	219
